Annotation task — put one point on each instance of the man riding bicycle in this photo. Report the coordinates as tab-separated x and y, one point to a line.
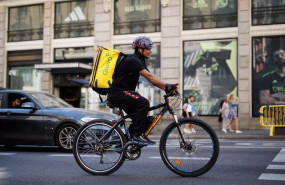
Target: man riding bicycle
122	93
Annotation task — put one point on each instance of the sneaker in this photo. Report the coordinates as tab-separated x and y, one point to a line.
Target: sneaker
187	131
224	130
238	131
142	138
193	130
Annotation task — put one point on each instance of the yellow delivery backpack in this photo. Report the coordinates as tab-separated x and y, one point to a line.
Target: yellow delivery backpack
104	67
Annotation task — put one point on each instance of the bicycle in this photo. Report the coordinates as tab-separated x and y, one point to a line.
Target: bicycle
100	147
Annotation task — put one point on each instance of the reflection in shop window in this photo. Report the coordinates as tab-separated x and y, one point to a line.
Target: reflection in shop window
26	23
146	89
268	12
25	78
74	19
201	14
268	71
136	16
210	73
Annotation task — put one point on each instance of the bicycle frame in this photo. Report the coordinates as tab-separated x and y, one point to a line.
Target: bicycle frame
166	107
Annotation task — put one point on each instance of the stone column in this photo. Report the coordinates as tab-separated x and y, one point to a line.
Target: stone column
102	23
47	46
170	42
244	62
2	47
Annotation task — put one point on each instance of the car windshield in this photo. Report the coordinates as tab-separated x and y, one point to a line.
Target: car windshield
49	101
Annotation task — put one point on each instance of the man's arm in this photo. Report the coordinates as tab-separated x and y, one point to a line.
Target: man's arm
152	79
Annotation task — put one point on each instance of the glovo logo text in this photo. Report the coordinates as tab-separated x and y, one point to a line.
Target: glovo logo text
106	69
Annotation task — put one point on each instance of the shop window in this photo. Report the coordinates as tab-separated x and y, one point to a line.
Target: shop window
136	16
74	19
201	14
210	73
21	72
268	12
145	88
25	23
268	70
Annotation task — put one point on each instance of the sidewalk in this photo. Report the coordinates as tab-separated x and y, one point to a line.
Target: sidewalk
246	134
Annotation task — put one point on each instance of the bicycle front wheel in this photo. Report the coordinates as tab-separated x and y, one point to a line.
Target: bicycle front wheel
189	153
97	156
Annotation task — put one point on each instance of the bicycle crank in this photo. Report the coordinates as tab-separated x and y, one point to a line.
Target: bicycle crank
132	150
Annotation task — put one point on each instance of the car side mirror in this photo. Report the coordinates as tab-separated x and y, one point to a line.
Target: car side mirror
28	105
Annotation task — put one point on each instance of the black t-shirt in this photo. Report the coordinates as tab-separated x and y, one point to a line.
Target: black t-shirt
274	82
127	74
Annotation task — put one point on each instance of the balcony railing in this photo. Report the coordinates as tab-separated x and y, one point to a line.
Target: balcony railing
145	26
71	30
209	21
268	15
25	35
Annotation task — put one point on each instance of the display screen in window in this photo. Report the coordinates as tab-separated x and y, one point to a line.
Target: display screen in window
210	73
268	73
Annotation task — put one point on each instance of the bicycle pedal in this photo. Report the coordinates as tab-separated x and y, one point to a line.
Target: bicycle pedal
139	143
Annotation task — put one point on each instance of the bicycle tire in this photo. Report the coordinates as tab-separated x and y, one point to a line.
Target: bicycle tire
96	157
194	158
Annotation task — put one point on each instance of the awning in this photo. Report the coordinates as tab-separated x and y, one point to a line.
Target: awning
63	68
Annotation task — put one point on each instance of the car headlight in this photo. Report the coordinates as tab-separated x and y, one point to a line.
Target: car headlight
87	119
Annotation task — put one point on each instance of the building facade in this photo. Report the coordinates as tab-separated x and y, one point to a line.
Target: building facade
212	48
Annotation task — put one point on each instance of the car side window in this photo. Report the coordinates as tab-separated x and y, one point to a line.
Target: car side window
1	95
16	100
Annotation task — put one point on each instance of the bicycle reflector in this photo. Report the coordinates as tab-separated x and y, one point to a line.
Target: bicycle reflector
178	162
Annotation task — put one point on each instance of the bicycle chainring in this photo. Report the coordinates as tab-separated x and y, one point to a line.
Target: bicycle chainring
132	151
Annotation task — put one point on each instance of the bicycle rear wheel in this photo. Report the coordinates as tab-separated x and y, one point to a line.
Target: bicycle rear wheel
95	157
194	156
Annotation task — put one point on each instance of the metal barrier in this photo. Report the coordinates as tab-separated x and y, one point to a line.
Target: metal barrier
272	116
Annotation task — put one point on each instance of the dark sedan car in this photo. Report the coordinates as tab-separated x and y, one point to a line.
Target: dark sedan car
36	118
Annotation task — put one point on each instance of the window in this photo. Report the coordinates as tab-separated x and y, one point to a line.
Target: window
201	14
25	23
149	91
15	100
1	95
210	73
136	16
74	19
268	63
268	12
80	54
21	72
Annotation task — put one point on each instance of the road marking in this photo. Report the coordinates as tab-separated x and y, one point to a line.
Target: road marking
280	157
4	153
61	155
271	176
276	167
3	174
192	158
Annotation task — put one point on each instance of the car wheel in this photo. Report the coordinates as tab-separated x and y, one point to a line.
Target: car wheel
65	135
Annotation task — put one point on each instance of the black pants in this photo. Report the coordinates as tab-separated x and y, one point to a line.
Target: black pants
133	104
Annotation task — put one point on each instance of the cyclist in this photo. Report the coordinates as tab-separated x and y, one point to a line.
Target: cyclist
123	95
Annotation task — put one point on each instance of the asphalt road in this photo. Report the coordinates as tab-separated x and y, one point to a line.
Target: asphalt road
240	162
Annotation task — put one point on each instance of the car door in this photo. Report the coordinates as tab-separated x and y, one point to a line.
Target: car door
21	125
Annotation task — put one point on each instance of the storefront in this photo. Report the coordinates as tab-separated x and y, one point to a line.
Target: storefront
71	71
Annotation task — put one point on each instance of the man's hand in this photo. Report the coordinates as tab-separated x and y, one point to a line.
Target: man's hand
170	87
